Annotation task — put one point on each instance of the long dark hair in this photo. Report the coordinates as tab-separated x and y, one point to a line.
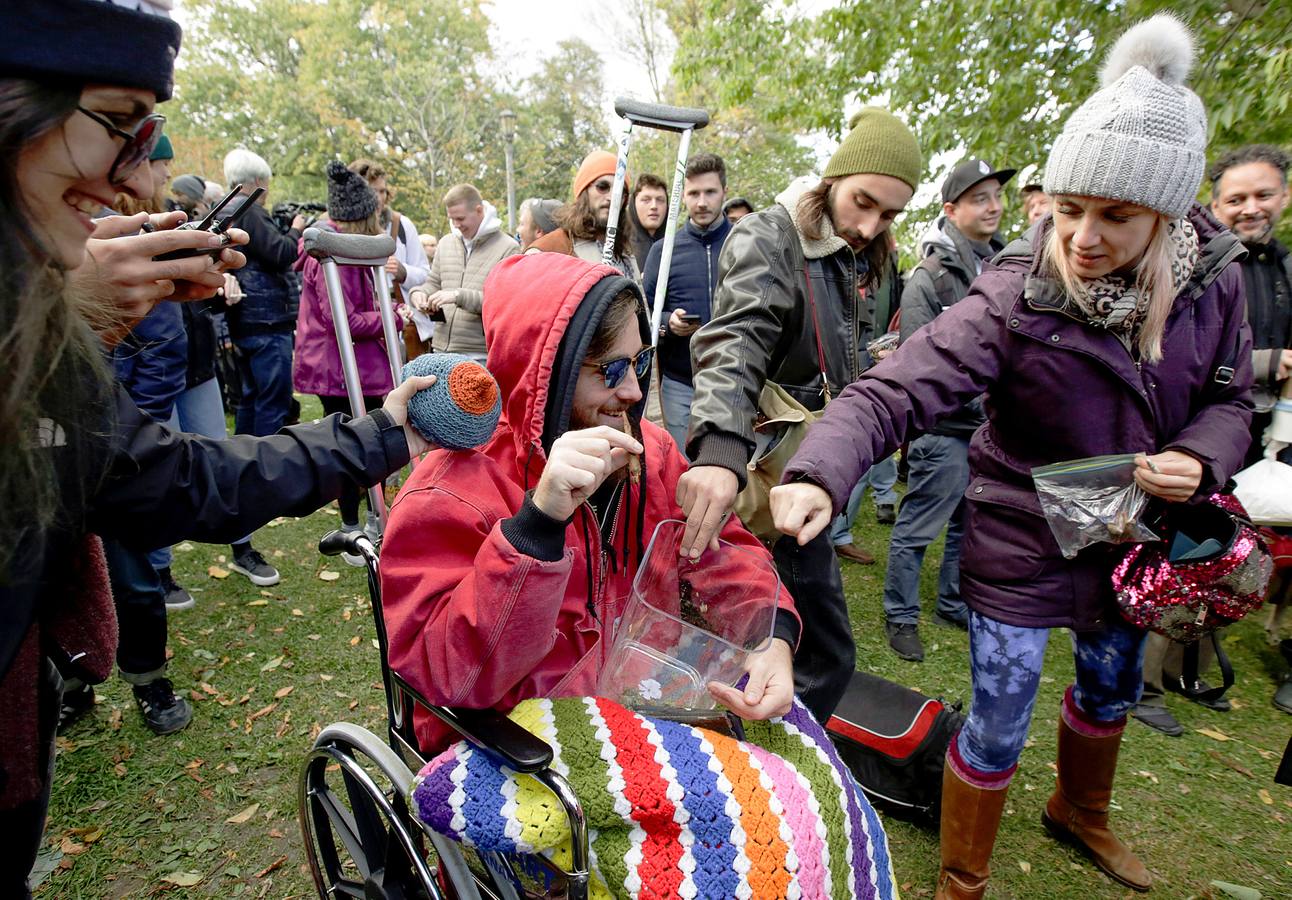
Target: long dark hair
51	399
579	220
814	210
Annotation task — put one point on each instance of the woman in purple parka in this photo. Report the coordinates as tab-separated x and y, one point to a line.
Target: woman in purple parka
1116	326
316	364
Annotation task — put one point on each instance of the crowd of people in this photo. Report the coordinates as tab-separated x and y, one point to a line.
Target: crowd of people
1099	329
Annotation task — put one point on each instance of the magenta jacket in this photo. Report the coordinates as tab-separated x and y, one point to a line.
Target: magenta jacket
1057	389
316	363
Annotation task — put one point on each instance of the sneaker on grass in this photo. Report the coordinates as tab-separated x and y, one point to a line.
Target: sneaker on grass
250	563
904	638
77	701
176	596
163	711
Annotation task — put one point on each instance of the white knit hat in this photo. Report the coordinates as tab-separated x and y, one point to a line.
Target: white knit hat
1143	136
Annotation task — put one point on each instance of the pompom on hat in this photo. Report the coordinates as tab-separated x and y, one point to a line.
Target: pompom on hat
1142	137
349	199
461	410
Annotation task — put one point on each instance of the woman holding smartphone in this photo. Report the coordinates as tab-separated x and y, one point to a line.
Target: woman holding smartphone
79	80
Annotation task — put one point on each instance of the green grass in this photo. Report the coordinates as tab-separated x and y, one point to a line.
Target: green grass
130	809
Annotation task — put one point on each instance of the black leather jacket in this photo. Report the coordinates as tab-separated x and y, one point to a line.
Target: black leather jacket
762	328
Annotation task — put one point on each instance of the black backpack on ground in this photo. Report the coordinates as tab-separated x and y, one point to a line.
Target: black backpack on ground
894	740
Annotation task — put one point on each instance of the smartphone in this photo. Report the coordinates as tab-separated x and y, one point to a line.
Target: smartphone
690	318
208	223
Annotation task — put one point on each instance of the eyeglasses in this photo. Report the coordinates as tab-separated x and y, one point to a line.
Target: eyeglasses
603	186
139	145
616	370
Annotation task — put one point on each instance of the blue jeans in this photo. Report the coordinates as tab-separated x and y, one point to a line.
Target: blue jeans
141	612
675	399
1005	662
935	499
881	479
265	368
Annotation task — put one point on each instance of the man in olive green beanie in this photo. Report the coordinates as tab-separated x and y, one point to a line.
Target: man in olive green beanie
769	325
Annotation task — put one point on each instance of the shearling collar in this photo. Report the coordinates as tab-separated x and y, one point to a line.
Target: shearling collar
829	243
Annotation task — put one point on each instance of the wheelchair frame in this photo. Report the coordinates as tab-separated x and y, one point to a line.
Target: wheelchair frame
382	837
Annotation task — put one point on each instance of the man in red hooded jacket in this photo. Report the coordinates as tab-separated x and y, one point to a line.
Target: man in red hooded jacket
505	568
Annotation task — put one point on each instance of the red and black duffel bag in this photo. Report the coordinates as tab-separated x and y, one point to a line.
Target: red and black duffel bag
894	740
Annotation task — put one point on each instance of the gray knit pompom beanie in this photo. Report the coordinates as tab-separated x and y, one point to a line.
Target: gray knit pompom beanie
1143	136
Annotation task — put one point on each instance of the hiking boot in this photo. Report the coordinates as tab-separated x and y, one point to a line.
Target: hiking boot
904	638
1220	704
250	563
1158	718
163	711
176	596
885	513
946	621
853	553
77	701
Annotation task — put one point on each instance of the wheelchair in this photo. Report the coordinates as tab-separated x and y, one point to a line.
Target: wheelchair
361	837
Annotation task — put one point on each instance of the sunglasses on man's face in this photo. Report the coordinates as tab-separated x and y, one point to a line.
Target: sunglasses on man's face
603	186
616	370
139	145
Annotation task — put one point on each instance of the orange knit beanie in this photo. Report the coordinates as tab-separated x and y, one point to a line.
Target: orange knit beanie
594	165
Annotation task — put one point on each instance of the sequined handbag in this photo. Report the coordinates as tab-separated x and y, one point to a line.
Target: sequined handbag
1210	569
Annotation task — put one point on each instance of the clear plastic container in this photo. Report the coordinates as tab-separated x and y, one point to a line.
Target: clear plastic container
688	623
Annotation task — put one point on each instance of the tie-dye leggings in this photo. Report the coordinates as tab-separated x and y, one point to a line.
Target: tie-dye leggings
1006	667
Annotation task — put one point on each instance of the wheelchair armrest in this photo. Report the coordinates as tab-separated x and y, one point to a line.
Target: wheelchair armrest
489	730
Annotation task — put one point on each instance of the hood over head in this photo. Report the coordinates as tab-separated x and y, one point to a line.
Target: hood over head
540	312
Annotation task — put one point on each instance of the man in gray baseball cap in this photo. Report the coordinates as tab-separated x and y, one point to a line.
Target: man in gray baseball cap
953	251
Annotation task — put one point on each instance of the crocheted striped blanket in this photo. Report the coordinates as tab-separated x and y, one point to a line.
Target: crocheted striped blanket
674	810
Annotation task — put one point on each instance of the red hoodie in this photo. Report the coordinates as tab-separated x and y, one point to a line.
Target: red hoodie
472	621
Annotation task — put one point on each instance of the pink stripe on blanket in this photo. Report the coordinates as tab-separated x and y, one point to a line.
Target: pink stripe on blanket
808	846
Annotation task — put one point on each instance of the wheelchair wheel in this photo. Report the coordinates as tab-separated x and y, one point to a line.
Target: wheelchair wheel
360	838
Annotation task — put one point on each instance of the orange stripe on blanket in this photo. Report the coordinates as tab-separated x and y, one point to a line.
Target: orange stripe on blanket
769	874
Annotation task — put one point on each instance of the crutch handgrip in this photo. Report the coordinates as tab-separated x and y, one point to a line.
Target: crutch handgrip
657	115
349	249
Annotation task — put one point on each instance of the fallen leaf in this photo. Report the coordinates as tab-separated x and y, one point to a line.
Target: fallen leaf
71	847
258	603
206	688
375	644
1229	763
278	554
217	572
1237	891
1265	797
120	770
243	817
89	835
314	637
114	718
272	867
275	833
297	612
266	593
195	764
1213	734
183	879
346	614
272	664
329	575
1149	775
185	547
263	711
1025	866
324	676
283	692
1184	789
354	641
353	704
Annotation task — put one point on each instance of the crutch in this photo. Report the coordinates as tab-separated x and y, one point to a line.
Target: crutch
664	118
332	249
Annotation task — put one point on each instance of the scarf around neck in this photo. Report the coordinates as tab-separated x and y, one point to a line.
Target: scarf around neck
1110	302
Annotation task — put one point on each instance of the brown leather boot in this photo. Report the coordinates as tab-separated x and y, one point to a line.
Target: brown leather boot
1078	811
970	819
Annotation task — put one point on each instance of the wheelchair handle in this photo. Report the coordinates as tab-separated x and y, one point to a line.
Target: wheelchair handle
334	543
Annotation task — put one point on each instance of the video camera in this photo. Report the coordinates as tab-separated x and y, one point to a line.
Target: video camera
283	213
